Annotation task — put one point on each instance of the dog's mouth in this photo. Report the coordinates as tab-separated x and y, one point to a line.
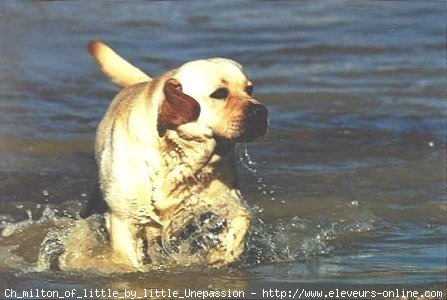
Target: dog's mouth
253	125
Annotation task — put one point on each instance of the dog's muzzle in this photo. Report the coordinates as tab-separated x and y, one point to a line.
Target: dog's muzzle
256	122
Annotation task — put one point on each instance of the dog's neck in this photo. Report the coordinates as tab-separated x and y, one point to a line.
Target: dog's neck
224	147
222	163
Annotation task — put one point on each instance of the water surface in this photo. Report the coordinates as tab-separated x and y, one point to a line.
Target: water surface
349	183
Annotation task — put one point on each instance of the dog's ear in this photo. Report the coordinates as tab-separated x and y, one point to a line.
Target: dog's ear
177	108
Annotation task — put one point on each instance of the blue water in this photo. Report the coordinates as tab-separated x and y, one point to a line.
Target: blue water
354	160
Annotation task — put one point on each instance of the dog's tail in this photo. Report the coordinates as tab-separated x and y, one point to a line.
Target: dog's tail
117	69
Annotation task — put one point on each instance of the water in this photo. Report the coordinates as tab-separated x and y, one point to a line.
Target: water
347	189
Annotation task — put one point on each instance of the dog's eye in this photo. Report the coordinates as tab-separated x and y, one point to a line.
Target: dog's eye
249	90
221	93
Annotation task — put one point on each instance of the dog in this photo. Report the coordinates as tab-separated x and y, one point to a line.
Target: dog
166	146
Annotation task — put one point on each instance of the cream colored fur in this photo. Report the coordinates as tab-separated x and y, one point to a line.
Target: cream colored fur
147	178
119	71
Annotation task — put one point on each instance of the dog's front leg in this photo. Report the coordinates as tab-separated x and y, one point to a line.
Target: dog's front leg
124	239
231	244
231	241
188	149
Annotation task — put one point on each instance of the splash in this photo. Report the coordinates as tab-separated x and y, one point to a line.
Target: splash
245	159
50	238
9	228
298	239
70	243
189	236
81	243
249	164
200	226
20	238
50	250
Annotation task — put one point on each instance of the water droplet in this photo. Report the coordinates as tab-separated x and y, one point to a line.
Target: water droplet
431	144
245	158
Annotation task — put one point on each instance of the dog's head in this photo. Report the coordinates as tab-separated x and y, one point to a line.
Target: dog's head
220	94
214	92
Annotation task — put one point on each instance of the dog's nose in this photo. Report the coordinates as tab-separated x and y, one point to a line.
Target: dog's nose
257	110
257	119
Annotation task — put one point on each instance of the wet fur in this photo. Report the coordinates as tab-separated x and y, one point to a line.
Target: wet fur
162	144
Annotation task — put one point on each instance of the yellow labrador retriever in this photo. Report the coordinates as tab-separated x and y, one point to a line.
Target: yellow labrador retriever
165	145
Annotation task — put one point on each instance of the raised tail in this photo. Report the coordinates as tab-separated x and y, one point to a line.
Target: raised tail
117	69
